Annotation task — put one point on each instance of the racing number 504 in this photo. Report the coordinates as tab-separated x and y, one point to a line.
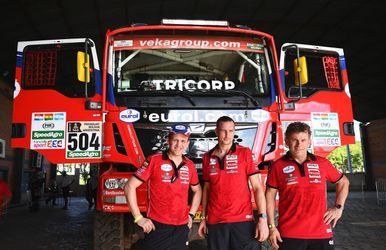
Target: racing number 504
81	141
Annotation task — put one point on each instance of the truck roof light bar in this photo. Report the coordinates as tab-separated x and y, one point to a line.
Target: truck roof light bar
194	22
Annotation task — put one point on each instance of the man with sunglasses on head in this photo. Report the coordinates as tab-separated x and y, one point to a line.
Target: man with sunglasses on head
169	175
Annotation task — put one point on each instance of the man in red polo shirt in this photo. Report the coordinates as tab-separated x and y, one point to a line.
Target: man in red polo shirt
228	170
300	178
169	176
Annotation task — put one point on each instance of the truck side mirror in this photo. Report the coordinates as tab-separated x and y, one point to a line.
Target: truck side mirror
300	70
83	67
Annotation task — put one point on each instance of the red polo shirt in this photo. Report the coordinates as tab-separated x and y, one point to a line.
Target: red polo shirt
229	196
303	195
168	194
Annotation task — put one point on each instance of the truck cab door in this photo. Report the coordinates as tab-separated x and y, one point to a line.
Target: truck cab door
57	100
316	90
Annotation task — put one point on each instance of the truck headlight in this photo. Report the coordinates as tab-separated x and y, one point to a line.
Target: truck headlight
111	184
116	183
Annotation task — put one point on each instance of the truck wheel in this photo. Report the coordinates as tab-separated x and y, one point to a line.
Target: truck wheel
108	231
116	231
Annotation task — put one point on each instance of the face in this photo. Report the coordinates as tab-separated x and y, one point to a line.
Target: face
298	143
178	144
225	133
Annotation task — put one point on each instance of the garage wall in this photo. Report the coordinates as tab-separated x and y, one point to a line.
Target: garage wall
374	135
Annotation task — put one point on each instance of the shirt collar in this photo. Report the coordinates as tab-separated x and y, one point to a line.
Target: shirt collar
232	149
310	157
165	156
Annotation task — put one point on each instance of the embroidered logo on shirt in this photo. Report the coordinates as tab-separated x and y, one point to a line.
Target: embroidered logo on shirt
166	167
288	169
313	171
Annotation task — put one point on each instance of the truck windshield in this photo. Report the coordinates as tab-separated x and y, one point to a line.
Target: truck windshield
231	77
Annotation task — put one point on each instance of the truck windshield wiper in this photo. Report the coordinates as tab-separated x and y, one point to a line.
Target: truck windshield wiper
248	96
180	93
236	92
164	93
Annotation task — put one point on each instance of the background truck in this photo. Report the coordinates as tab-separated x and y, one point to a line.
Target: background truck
70	110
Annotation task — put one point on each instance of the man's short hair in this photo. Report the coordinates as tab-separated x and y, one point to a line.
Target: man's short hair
297	127
224	119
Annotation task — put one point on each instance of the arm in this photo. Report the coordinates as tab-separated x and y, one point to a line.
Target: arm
131	197
261	226
202	230
274	234
197	193
333	214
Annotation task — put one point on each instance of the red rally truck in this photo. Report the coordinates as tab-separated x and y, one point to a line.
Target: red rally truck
70	110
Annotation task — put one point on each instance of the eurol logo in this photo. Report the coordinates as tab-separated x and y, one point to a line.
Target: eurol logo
129	115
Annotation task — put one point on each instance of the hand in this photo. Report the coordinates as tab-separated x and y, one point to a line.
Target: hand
332	215
274	237
202	229
190	222
262	230
146	224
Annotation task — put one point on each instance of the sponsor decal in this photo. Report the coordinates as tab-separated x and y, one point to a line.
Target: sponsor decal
38	117
129	115
232	171
231	157
255	46
106	192
47	133
249	216
288	169
123	43
316	181
86	154
260	115
331	242
199	116
187	84
166	167
326	131
48	125
84	140
212	161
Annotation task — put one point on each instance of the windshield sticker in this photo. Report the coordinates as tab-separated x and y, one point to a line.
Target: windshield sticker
47	130
190	42
129	115
199	116
184	84
260	115
84	140
325	129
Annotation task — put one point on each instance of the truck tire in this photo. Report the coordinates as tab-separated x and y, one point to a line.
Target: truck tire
116	231
108	231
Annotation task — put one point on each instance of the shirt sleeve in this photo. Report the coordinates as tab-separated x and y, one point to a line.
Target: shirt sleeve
143	173
205	173
273	178
252	168
332	174
193	176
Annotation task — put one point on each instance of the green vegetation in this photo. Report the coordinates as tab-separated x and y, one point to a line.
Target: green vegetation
339	158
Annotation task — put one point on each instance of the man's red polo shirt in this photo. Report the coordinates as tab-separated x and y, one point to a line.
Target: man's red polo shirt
302	195
168	200
229	196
